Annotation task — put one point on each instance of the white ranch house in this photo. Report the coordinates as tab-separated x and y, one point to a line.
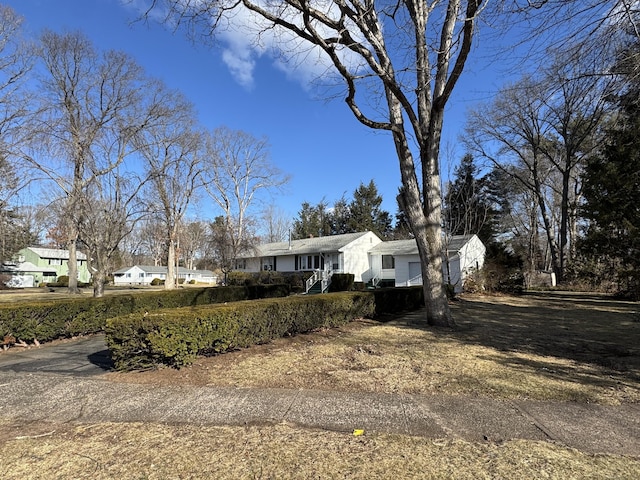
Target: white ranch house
324	256
364	255
145	274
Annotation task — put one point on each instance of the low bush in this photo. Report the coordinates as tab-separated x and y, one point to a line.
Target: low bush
175	337
49	320
156	281
341	282
295	280
398	300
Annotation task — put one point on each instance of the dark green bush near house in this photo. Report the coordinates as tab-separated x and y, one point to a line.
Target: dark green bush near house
46	321
156	281
295	280
341	282
175	337
398	300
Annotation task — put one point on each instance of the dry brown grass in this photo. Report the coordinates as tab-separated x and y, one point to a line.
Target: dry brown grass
537	347
141	451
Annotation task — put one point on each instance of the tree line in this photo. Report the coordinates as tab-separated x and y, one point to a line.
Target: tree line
560	167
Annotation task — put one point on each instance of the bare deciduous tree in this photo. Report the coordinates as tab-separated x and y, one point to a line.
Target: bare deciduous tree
238	170
111	208
172	149
399	63
93	105
546	125
276	226
193	238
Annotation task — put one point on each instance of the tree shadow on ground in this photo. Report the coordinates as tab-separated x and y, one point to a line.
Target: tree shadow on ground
590	329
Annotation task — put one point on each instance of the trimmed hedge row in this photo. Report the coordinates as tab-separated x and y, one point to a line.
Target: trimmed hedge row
175	337
49	320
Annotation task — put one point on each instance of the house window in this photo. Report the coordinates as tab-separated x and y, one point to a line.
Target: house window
55	261
141	275
241	264
388	262
128	275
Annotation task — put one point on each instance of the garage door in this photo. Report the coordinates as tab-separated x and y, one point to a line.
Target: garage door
415	273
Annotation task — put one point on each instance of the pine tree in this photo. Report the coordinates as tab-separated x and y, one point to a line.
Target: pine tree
612	204
467	207
365	211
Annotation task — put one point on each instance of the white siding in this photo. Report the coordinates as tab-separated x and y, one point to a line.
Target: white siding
130	276
402	269
286	263
472	256
356	257
452	274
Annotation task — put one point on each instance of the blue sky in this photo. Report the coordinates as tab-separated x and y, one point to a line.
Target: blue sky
319	144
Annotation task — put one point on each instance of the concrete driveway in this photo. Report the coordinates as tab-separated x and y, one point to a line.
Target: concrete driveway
83	357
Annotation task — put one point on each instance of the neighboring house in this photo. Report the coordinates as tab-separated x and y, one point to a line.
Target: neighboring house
47	264
399	261
144	275
26	274
346	253
364	255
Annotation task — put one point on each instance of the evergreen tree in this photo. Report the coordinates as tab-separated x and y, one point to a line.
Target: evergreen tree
612	205
365	212
340	217
312	221
467	207
610	249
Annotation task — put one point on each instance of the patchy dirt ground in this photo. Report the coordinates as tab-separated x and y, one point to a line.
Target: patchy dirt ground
550	346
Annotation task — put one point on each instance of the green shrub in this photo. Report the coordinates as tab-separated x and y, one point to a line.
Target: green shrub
156	281
192	282
175	337
398	300
49	320
341	282
63	281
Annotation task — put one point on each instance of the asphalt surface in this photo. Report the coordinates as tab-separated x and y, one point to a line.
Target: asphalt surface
65	382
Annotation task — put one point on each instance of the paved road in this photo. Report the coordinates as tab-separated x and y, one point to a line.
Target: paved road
85	357
64	383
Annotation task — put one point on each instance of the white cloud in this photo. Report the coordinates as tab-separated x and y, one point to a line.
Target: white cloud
249	37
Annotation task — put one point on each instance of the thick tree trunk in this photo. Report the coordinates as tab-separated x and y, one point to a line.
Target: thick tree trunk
98	284
73	265
424	221
170	282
